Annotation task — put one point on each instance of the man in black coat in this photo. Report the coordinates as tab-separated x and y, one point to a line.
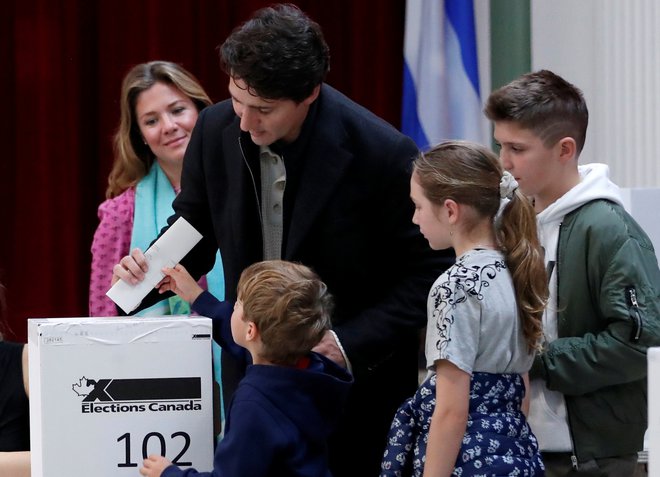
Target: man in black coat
289	168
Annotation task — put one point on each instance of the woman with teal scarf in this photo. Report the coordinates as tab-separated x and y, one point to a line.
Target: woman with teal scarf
159	105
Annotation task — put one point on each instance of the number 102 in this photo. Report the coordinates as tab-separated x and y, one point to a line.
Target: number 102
163	448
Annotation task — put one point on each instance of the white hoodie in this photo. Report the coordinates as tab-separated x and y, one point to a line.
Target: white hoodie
547	415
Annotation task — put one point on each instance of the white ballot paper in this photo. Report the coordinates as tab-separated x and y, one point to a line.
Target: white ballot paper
167	251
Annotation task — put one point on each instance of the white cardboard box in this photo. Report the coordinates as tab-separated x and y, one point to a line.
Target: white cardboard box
653	431
105	392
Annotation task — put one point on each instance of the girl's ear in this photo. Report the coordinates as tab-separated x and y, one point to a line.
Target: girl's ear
452	210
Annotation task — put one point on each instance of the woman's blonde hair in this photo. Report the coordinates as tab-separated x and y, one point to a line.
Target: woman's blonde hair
470	174
133	158
290	306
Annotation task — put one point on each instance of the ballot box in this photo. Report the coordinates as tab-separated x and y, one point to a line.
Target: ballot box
652	439
106	392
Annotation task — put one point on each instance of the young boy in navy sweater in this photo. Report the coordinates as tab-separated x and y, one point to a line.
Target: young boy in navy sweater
290	398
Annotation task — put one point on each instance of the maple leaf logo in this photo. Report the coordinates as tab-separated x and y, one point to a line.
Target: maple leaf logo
83	387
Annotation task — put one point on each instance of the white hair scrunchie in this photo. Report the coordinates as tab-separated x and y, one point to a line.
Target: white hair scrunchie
508	185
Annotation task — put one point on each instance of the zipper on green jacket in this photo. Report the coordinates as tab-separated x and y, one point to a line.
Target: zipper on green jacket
574	459
635	315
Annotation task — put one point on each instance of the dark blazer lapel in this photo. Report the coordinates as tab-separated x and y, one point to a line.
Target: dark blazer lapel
241	198
237	170
325	164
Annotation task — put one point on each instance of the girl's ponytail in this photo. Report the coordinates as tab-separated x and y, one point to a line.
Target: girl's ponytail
515	230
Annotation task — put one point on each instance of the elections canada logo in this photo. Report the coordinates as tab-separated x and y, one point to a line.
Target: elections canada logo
139	395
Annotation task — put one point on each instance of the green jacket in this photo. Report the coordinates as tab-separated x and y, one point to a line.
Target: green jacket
605	264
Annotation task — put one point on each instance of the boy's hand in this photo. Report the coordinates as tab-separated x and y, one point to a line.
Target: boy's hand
179	281
154	465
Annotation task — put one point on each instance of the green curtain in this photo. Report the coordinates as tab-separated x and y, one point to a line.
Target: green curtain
510	40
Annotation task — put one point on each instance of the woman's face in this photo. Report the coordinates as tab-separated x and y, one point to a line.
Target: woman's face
166	118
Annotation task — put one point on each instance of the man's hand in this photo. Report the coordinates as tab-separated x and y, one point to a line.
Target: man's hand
131	268
329	348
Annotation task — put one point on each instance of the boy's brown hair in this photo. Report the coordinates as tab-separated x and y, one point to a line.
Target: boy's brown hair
543	102
290	306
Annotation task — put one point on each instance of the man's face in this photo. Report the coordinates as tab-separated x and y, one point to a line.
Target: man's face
268	120
526	157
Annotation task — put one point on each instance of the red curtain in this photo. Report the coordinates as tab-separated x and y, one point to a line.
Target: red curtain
62	65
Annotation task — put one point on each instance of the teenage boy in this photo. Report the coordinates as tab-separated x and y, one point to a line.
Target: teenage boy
588	390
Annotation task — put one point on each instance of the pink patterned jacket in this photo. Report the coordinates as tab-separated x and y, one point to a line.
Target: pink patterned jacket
112	241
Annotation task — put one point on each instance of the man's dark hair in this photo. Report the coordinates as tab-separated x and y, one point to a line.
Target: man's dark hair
545	103
279	53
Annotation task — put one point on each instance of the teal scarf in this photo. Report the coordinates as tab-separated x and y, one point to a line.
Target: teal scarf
154	195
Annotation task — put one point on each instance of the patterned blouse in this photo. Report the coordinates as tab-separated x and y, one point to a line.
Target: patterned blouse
473	317
474	324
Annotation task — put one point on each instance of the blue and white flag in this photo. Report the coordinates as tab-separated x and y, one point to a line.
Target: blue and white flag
441	97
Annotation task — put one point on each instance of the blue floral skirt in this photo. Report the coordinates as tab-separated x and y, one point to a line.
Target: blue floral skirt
497	441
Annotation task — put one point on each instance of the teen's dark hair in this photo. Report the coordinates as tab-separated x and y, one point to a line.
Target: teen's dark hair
280	53
470	174
545	103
